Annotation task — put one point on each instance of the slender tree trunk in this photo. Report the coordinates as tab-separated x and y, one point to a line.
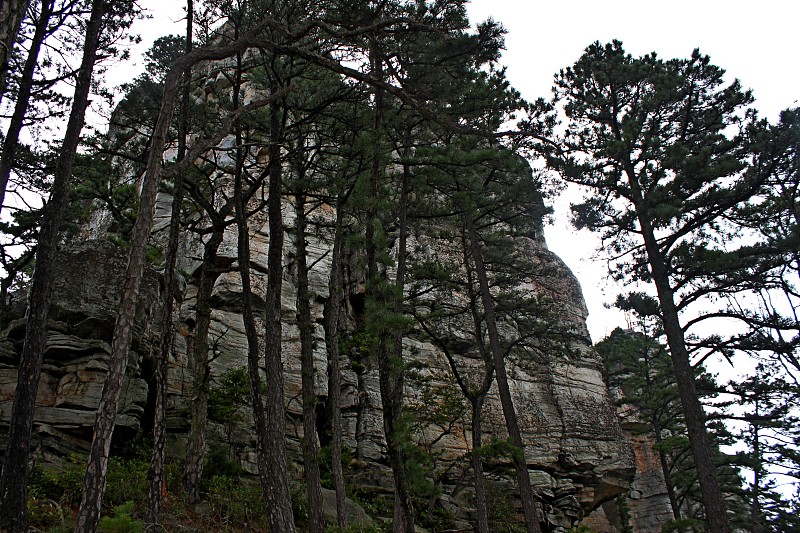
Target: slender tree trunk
13	480
390	372
11	14
248	315
662	458
477	398
509	412
156	473
94	484
481	509
713	501
279	500
332	317
756	512
196	444
25	86
316	523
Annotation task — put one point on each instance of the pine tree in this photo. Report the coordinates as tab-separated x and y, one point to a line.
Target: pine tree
156	475
766	404
13	481
11	15
651	142
25	87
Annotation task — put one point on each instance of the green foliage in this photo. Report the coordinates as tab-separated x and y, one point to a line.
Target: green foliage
164	52
230	393
502	515
300	503
154	255
101	183
624	513
372	501
46	514
234	502
581	528
126	481
121	521
356	346
226	399
52	493
219	462
63	486
326	469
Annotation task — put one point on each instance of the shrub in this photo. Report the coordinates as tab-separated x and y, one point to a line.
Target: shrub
234	502
126	481
63	486
121	521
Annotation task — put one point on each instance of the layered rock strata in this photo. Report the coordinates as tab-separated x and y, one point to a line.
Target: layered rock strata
577	454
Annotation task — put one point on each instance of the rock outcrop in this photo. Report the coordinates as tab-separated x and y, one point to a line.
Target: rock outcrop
82	313
577	454
647	500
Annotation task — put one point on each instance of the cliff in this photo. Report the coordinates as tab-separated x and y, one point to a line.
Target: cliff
578	456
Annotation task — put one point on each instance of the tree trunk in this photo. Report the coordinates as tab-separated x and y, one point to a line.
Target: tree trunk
156	473
481	509
713	501
756	512
11	14
198	366
390	372
673	500
94	483
512	425
332	318
13	480
279	500
316	523
248	315
25	86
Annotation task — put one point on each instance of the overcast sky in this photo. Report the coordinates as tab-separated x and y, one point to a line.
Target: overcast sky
757	42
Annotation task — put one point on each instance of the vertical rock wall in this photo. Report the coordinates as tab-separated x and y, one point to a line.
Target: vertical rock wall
577	454
82	313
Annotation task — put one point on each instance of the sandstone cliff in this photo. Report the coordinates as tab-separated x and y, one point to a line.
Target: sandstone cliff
578	456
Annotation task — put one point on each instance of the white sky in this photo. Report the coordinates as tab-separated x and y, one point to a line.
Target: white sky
757	42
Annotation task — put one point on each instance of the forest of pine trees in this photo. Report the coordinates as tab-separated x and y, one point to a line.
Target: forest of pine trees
380	122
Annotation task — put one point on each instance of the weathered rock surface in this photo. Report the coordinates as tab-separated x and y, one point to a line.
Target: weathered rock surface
577	455
647	499
83	308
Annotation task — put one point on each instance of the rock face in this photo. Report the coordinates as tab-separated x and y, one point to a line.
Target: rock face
82	312
647	500
577	454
